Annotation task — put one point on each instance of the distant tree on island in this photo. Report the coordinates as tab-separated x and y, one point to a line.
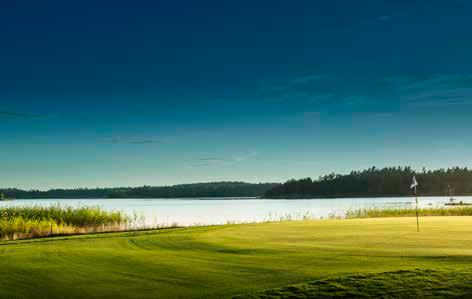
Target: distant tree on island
373	182
216	189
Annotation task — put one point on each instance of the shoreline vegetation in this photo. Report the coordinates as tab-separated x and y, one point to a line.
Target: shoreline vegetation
37	221
408	212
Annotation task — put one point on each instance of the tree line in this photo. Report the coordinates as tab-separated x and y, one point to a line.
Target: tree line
374	182
216	189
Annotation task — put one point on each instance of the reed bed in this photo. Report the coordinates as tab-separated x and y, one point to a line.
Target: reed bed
40	221
409	212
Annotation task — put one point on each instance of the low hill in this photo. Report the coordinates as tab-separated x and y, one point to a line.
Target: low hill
215	189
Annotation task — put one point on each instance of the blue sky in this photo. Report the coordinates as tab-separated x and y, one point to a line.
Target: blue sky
120	93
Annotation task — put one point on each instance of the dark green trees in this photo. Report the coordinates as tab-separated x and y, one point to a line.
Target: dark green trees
391	181
217	189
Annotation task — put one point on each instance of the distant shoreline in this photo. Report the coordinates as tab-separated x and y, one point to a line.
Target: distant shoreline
197	190
238	198
363	196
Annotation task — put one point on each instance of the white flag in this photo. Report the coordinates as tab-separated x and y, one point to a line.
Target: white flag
414	183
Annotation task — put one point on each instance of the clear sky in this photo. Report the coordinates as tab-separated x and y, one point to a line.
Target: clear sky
127	93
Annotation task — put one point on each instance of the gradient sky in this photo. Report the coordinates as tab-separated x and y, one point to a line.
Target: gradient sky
127	93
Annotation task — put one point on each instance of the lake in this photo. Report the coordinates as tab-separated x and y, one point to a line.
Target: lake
203	211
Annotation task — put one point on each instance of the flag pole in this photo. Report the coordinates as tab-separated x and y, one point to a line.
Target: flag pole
417	218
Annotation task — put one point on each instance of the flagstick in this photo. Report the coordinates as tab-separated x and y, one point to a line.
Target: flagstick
417	220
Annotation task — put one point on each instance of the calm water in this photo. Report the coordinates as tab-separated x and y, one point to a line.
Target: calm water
224	210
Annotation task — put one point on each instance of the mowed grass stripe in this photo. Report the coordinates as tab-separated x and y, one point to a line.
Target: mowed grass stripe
224	261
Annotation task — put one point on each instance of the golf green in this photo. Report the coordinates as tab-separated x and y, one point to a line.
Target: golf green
230	260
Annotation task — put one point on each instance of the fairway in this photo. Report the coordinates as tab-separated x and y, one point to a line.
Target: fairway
225	261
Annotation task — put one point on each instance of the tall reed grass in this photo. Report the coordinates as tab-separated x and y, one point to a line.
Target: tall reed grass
40	221
409	212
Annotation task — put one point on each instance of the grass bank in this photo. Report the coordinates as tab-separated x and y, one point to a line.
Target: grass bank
409	212
397	284
39	221
232	260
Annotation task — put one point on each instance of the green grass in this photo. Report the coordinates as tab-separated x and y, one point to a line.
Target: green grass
409	212
39	221
397	284
232	260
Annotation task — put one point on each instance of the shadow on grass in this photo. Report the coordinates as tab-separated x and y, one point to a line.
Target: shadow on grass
398	284
458	259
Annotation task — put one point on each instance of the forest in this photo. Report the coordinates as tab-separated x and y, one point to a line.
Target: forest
215	189
372	182
375	182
